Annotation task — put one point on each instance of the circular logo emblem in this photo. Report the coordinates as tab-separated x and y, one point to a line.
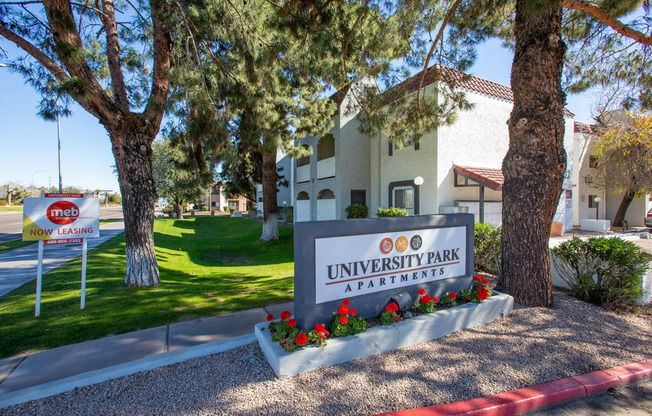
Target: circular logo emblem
62	212
415	242
386	245
401	244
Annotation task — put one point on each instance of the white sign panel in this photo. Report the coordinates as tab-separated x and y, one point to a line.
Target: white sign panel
60	218
362	264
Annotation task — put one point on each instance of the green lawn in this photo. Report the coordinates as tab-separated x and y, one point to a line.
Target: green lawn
11	208
208	265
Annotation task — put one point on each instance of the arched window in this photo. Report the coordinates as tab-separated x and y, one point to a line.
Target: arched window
303	161
326	147
326	194
260	199
303	196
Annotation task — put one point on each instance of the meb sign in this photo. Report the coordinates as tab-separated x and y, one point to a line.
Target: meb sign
69	216
60	219
370	261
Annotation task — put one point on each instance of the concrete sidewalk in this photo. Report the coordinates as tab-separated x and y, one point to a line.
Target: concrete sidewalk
60	369
19	266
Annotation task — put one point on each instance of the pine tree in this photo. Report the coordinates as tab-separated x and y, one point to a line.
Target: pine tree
118	72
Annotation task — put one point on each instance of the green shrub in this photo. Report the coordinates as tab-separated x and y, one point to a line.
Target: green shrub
356	211
392	212
231	210
3	203
487	247
601	270
289	217
168	210
225	208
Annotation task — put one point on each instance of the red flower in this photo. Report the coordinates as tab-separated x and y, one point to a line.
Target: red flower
346	302
482	295
486	282
320	328
344	320
478	278
301	339
468	297
392	307
353	312
343	310
422	291
270	317
434	300
292	323
452	295
425	299
285	315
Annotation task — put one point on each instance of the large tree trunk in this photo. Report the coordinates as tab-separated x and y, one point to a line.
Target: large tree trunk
180	209
133	156
270	207
628	197
536	159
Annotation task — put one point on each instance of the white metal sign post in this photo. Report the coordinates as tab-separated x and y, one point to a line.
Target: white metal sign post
60	219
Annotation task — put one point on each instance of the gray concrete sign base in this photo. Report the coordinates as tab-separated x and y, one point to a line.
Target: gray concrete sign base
381	339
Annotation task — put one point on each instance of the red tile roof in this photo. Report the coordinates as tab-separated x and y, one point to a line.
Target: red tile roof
583	128
461	80
492	178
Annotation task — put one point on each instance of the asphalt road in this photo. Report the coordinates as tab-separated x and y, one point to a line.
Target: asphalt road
11	223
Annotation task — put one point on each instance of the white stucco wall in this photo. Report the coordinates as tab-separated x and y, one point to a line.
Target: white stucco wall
404	165
478	138
302	211
325	209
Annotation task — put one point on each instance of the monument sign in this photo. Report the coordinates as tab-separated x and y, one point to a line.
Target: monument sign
372	261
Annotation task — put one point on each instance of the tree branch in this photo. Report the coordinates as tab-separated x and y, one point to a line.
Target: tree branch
161	74
608	20
70	50
440	35
113	54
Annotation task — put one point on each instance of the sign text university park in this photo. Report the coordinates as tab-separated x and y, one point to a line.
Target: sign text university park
356	265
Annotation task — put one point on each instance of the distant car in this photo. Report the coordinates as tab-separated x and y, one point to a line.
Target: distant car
648	219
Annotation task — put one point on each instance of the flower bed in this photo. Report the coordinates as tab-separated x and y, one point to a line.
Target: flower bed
379	339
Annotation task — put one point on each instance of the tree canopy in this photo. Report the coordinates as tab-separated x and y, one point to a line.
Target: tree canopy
623	145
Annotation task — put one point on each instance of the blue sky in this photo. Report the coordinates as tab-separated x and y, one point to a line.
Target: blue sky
29	144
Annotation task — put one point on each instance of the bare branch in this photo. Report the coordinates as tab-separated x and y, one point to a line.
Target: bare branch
608	20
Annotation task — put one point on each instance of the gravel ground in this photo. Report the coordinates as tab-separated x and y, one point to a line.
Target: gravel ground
531	346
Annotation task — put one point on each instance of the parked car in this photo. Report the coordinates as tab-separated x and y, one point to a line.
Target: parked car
648	219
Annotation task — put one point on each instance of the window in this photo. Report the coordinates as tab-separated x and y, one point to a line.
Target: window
326	147
358	197
593	162
303	161
404	198
303	196
260	199
592	203
326	194
233	204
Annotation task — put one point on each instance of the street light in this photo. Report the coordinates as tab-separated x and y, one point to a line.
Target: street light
59	147
597	200
418	181
285	217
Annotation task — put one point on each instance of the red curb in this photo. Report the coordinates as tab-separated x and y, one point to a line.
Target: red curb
539	396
